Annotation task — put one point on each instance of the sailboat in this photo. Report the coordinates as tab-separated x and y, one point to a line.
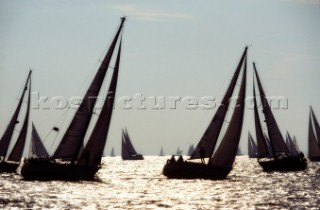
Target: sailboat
252	147
314	138
128	152
161	152
69	161
191	149
282	159
179	151
10	161
221	161
292	146
112	153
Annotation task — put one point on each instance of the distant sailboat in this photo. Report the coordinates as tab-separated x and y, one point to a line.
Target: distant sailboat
221	161
191	149
69	161
112	153
128	152
179	151
10	161
292	146
314	138
161	152
282	159
252	147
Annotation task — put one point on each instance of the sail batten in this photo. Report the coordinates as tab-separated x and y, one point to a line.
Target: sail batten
72	140
208	141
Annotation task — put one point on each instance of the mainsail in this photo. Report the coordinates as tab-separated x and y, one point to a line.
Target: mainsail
227	150
210	137
93	151
17	151
72	140
277	142
291	145
37	147
313	144
261	141
316	125
6	138
191	149
127	144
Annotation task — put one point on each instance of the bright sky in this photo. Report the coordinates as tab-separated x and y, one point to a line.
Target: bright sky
170	49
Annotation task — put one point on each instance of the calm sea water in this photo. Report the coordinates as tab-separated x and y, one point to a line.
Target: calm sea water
140	185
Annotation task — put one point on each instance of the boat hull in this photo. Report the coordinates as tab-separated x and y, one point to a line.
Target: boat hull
50	170
9	167
191	170
284	164
133	157
314	158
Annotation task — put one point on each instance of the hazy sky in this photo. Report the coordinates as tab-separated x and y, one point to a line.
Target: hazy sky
186	49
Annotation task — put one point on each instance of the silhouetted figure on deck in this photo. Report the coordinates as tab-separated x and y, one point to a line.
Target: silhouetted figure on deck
302	157
180	159
202	154
172	159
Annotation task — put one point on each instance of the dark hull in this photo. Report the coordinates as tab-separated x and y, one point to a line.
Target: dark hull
50	170
8	167
133	157
284	164
190	170
314	158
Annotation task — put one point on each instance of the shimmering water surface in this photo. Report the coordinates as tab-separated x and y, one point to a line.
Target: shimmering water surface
141	185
